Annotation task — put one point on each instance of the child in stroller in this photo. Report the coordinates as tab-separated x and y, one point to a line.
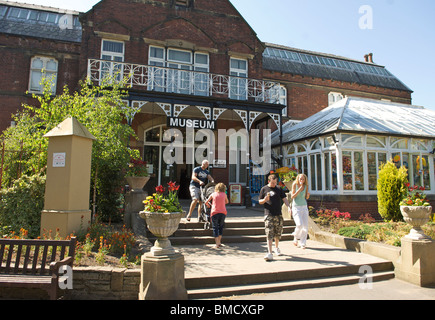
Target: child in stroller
206	192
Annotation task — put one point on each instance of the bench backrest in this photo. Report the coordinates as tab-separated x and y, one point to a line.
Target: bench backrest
22	256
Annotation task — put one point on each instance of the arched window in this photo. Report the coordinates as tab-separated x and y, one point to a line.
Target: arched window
42	67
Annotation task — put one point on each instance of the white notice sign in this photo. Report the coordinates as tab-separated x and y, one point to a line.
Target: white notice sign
59	160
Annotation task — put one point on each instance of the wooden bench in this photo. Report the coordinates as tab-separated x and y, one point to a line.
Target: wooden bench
38	267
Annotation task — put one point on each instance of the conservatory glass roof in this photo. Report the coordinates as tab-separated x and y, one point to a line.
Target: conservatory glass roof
361	115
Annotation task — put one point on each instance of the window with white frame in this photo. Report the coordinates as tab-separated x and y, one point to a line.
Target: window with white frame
301	158
176	71
290	157
283	100
43	67
376	156
353	170
316	165
334	97
238	85
178	77
359	158
156	79
112	51
330	165
353	163
202	68
302	162
316	171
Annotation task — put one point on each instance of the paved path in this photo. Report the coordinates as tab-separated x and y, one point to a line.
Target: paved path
248	258
393	289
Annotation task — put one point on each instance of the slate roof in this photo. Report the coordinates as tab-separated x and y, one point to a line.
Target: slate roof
37	28
320	65
275	57
362	115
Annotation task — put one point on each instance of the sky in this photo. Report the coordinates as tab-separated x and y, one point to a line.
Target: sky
399	33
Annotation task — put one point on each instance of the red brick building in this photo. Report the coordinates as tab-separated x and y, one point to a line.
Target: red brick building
192	59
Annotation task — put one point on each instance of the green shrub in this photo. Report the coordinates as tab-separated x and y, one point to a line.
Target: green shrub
359	231
21	205
391	190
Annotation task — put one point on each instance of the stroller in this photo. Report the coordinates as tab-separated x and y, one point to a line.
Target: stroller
205	216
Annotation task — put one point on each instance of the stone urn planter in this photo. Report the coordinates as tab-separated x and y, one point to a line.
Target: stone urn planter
162	225
137	183
416	217
289	185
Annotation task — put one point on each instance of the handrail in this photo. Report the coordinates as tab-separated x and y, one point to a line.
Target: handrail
190	82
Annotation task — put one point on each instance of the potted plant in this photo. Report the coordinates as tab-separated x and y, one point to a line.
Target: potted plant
137	174
287	176
416	211
163	214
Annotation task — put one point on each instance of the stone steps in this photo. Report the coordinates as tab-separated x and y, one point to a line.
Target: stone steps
193	233
245	284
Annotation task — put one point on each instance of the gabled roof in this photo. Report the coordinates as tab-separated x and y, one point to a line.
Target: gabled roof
39	21
362	115
326	66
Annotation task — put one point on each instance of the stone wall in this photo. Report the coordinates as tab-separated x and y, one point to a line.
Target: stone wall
104	283
89	283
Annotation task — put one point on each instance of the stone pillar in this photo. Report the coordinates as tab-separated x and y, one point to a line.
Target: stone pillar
67	187
417	261
134	204
162	277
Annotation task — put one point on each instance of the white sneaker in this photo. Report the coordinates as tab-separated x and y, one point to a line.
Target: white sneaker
268	257
277	252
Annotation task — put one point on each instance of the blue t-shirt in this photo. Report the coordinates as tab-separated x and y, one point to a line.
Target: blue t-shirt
201	174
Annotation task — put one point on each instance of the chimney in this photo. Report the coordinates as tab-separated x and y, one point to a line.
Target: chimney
368	58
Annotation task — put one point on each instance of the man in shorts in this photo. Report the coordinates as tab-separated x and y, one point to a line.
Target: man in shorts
199	177
271	196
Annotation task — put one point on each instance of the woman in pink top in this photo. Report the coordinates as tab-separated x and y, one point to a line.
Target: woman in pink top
218	212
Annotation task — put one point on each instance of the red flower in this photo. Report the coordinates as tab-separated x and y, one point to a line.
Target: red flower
172	186
160	189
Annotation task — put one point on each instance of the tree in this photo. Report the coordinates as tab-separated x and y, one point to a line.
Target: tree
101	110
391	190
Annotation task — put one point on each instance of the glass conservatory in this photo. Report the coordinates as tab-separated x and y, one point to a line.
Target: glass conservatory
341	148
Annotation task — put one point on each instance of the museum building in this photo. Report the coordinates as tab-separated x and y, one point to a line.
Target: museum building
197	64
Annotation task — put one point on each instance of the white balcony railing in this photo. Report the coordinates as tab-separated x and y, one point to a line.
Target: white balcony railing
161	79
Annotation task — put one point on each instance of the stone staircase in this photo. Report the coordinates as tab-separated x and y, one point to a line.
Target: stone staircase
236	231
245	284
249	231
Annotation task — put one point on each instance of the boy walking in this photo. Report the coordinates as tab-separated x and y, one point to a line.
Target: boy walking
271	196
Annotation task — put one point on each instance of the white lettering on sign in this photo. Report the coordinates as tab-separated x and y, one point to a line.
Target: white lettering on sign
59	160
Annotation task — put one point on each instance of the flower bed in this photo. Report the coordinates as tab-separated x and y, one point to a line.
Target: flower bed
103	245
366	228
